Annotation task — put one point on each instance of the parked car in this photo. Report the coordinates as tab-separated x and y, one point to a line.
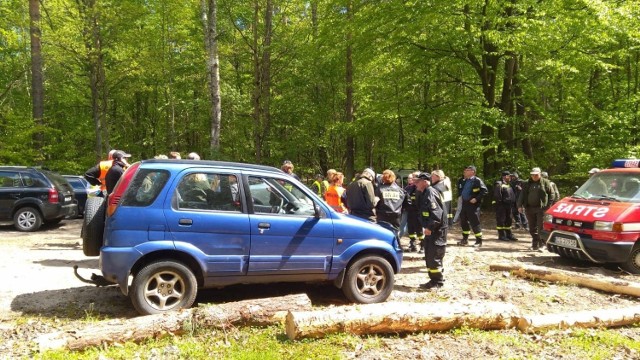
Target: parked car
176	226
82	190
31	196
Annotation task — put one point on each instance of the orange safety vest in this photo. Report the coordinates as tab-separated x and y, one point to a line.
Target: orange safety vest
333	197
104	165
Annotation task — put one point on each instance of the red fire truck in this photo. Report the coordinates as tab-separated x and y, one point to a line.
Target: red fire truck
600	222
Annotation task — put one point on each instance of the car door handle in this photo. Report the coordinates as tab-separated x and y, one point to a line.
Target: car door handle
188	222
263	225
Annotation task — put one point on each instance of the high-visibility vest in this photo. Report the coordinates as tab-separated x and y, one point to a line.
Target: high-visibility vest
333	197
105	165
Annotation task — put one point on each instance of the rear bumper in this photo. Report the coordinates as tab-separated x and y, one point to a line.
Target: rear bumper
587	249
57	211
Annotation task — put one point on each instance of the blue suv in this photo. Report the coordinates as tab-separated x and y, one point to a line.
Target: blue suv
175	226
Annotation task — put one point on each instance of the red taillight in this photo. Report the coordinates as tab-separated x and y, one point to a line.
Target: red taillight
53	196
120	188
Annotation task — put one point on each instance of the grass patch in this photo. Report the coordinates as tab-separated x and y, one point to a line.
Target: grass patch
241	344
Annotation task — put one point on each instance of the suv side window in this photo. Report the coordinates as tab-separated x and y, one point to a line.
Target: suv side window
145	187
9	180
32	181
278	196
209	191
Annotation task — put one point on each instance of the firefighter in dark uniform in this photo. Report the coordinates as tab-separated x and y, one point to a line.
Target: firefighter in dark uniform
473	190
392	197
435	224
504	199
414	226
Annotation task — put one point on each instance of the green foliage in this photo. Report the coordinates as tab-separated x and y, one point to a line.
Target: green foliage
432	87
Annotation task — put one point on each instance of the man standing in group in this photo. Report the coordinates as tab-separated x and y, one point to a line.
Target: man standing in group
361	198
473	190
414	227
442	183
504	198
434	221
520	218
117	169
392	197
96	175
534	199
317	186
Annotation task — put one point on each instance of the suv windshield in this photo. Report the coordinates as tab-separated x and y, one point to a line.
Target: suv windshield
611	186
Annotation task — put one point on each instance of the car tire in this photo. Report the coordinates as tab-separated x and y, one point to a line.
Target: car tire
27	219
163	286
368	280
93	226
632	264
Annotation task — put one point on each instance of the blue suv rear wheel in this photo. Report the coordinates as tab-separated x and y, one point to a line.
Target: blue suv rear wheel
163	286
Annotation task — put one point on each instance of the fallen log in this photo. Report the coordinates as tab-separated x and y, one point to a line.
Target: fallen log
258	312
582	319
401	317
609	285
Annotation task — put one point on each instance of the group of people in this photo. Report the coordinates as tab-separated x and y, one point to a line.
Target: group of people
107	172
526	201
426	200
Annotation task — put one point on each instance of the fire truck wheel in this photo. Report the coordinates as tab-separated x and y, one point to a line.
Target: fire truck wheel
632	264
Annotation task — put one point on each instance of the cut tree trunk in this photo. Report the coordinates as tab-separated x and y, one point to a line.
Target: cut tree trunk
257	312
401	317
608	284
582	319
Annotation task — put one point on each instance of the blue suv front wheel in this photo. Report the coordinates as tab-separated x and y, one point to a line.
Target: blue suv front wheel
163	286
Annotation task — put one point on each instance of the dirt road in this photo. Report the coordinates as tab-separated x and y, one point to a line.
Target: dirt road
37	270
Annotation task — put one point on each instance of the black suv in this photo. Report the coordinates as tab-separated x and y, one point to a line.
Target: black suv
31	196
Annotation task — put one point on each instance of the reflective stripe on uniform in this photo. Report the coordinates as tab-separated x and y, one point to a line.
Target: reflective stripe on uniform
425	213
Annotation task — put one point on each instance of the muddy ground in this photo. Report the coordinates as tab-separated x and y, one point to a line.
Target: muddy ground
38	282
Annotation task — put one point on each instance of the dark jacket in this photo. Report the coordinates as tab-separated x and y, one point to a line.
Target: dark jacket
478	190
536	194
411	203
432	213
503	193
389	206
361	198
114	174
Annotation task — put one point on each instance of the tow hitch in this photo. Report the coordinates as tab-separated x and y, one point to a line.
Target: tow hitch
97	280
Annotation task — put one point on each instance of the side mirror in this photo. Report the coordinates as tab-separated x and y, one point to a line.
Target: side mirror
316	210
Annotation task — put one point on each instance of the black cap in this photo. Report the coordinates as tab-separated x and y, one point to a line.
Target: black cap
471	167
506	173
424	176
119	154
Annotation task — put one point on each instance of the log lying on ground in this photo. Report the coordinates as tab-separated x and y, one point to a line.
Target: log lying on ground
247	312
582	319
401	317
609	285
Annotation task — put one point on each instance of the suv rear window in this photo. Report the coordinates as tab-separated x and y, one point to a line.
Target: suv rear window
145	187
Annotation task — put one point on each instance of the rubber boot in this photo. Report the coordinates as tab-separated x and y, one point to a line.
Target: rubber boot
412	246
464	241
421	251
478	243
510	236
501	235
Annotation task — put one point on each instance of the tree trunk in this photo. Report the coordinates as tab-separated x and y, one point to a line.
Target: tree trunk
401	317
210	24
254	312
581	319
37	76
349	110
533	272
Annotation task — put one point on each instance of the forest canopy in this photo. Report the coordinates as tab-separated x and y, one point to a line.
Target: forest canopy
345	84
